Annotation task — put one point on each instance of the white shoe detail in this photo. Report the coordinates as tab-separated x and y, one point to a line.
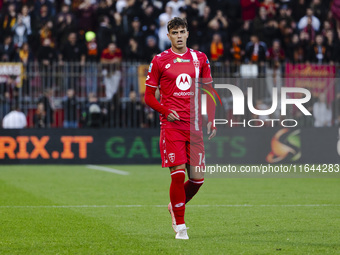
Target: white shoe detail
182	232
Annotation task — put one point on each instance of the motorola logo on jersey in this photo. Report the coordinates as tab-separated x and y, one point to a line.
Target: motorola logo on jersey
183	81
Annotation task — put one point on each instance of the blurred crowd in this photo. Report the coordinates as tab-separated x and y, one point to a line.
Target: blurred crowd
226	30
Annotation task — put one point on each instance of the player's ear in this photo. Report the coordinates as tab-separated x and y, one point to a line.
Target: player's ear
168	35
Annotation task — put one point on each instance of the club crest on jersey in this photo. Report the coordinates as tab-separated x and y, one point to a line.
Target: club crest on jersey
181	60
172	157
150	67
183	81
197	63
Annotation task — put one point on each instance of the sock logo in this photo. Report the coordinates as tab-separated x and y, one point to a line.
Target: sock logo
179	204
171	157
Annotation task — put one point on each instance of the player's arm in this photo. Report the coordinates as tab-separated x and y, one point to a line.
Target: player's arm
150	100
207	80
151	83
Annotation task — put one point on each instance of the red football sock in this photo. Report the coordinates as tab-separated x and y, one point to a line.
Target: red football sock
177	195
191	187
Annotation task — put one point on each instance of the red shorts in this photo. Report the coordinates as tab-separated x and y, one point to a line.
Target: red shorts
179	147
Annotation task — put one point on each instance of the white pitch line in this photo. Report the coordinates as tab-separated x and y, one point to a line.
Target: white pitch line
107	169
129	206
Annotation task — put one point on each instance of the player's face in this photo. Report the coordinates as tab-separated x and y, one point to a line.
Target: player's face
178	37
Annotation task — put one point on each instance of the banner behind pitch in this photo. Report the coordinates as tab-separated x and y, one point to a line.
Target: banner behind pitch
141	146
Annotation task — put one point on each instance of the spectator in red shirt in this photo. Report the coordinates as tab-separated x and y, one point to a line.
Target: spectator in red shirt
249	9
276	57
111	58
276	54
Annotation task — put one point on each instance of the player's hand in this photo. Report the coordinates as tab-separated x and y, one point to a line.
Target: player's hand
173	116
211	131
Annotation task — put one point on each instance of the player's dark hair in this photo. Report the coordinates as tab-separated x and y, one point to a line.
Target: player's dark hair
177	22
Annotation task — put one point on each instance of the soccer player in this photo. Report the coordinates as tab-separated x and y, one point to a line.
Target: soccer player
179	72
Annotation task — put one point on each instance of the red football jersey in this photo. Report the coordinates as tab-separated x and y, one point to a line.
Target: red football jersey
179	78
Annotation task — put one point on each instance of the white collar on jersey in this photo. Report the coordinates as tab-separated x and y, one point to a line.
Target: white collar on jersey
179	53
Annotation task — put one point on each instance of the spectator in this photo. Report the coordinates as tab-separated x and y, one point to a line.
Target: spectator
320	52
93	113
217	25
115	112
46	31
164	42
249	9
25	54
26	57
270	7
133	112
136	31
246	31
7	51
49	107
319	9
305	44
151	48
309	29
105	8
216	48
111	59
134	53
7	21
86	16
72	52
309	19
92	59
175	6
20	33
26	19
259	23
255	51
271	31
70	107
64	24
236	50
42	18
336	13
131	10
150	19
15	119
47	56
276	57
50	10
39	118
330	45
299	9
321	112
326	26
105	33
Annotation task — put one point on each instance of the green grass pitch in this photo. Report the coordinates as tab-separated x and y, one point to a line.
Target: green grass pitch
65	209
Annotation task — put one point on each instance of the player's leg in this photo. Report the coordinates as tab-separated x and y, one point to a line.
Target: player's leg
173	154
193	184
196	155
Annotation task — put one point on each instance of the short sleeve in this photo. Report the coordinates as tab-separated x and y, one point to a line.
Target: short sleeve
206	71
153	77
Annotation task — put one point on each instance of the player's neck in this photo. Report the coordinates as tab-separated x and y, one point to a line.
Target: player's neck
179	51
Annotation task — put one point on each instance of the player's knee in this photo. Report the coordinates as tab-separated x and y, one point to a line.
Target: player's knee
174	168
